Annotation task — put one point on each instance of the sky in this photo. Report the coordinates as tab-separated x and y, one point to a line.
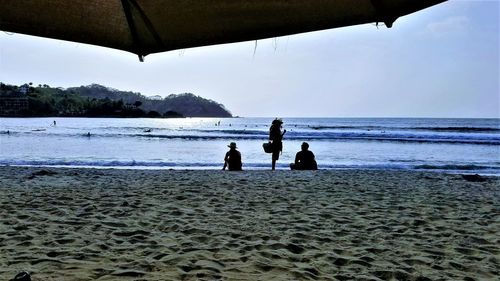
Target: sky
439	62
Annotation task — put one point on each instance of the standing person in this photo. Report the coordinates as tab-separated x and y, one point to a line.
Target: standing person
304	159
276	137
232	160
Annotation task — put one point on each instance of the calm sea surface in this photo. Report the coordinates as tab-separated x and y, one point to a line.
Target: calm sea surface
454	145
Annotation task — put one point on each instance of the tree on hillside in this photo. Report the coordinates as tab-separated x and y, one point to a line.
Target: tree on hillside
153	114
172	114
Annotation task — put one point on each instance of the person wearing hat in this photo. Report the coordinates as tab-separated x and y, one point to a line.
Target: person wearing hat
304	159
276	137
232	160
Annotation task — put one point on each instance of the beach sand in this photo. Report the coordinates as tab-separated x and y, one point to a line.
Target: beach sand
88	224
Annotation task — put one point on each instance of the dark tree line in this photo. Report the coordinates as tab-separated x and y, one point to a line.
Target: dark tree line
46	101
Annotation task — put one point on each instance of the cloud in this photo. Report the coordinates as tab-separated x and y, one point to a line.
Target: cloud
449	26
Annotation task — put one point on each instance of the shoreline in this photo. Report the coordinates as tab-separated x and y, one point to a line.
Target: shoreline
282	167
127	224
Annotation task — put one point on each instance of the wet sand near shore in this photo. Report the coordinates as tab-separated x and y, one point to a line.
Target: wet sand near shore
95	224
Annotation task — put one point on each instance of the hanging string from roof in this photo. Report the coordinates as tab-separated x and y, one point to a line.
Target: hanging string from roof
254	49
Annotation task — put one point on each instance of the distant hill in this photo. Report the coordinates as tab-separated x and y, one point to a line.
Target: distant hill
186	104
97	100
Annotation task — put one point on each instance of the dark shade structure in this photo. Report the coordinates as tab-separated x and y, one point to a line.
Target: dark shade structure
149	26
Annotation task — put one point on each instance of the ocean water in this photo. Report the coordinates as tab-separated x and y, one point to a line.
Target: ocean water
453	145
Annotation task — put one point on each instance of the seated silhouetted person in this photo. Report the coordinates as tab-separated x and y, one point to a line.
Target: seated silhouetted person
304	159
233	159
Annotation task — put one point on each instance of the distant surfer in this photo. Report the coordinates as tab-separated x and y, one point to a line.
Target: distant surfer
54	124
88	134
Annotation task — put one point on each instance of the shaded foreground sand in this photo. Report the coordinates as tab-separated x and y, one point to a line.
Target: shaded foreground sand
85	224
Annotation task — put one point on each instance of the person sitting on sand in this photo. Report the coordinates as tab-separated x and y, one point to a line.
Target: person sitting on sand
304	159
232	160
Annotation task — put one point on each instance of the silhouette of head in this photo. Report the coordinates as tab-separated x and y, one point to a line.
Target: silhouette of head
277	121
304	146
232	145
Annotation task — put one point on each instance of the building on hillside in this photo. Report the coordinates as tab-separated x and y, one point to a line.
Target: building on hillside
24	89
157	97
13	104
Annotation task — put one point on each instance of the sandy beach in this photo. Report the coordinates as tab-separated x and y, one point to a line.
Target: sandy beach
88	224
